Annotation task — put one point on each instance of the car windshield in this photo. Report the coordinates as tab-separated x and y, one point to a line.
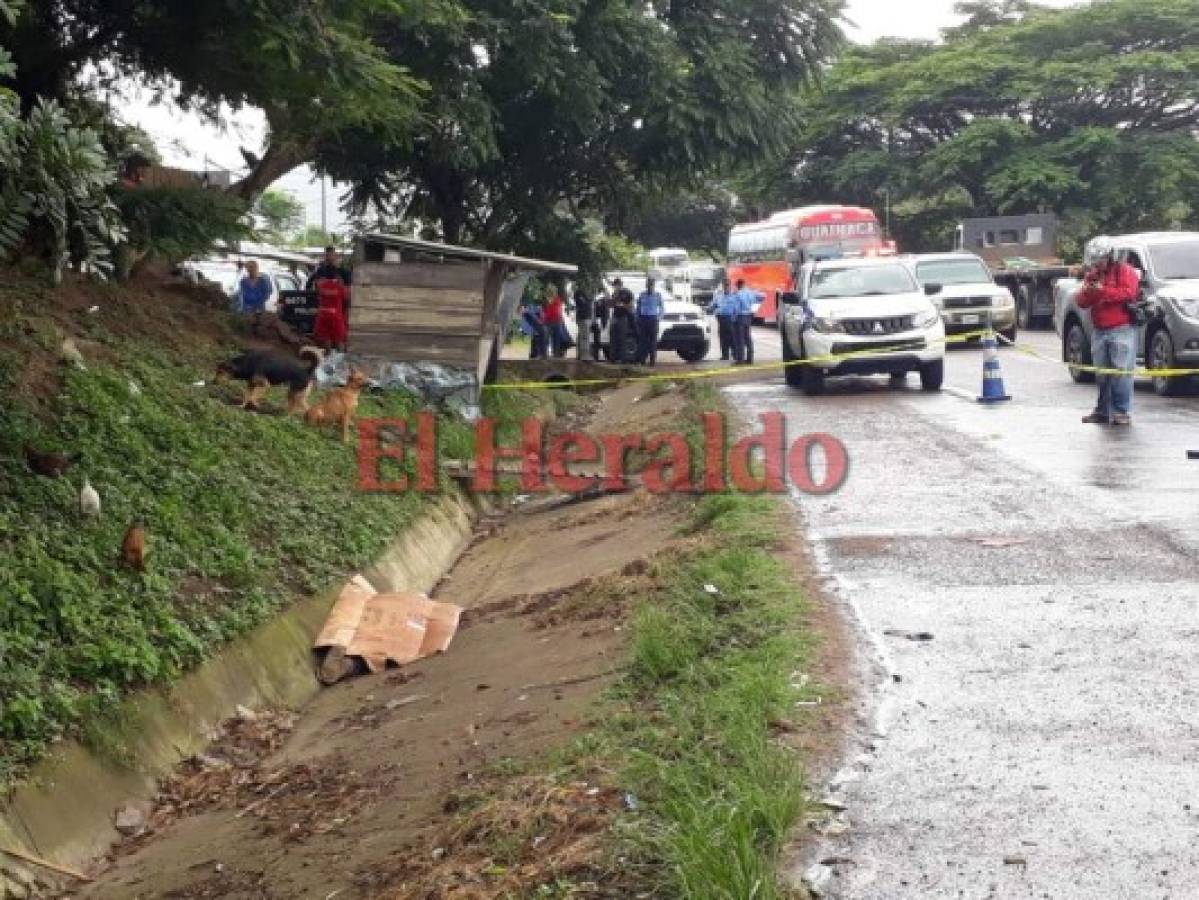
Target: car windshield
953	271
867	281
1176	260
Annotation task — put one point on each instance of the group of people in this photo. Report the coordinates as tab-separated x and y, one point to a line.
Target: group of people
734	312
634	324
330	281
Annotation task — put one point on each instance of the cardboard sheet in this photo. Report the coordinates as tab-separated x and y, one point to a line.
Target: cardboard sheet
384	629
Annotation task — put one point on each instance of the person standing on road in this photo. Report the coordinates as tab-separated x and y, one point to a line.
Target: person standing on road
554	317
746	303
624	325
650	307
533	327
584	316
722	307
1109	289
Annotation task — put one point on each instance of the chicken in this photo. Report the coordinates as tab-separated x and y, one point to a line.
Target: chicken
50	465
133	547
89	501
70	353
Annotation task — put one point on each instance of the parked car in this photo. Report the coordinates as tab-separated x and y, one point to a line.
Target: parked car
970	299
871	312
1169	267
685	328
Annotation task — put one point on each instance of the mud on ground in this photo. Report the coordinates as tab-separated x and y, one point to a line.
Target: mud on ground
417	783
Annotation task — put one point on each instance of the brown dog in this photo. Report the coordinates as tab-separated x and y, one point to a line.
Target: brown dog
340	405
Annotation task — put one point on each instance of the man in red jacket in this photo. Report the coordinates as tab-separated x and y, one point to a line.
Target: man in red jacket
1110	287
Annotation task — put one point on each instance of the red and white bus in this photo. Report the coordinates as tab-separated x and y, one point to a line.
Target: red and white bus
767	254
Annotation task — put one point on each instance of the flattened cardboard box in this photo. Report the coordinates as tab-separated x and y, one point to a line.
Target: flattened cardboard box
384	629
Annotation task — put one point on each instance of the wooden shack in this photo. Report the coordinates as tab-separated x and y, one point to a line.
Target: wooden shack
421	302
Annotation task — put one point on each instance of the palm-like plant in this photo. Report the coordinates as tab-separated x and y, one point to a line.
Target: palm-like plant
54	180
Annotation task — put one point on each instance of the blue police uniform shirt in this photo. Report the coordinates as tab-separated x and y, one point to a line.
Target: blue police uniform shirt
650	304
747	301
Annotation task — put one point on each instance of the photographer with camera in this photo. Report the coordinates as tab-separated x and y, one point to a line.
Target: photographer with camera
1111	291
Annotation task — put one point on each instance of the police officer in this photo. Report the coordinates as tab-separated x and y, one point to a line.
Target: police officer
624	325
746	303
722	307
650	308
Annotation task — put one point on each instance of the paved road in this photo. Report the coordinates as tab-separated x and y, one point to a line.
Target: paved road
1045	741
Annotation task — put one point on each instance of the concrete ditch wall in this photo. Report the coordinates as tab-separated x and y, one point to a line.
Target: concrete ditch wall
64	811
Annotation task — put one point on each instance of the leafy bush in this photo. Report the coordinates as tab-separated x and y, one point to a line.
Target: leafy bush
172	224
54	180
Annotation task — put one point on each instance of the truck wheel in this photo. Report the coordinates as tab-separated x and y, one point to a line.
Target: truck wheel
1024	316
1076	351
1161	356
811	380
1010	334
932	375
696	353
792	373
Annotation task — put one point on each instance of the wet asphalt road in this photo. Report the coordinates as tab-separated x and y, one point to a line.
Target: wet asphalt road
1045	741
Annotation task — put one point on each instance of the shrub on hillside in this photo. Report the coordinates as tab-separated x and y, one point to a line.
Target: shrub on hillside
172	224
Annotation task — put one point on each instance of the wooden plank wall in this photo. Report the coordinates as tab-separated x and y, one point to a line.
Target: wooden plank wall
418	312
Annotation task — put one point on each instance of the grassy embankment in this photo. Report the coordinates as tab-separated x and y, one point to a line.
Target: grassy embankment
244	512
692	733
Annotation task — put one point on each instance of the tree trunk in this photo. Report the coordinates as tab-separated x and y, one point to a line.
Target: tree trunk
278	160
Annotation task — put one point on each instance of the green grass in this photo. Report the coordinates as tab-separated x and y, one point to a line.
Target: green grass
244	512
688	729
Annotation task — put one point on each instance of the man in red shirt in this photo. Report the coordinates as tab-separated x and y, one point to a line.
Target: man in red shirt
1109	289
554	312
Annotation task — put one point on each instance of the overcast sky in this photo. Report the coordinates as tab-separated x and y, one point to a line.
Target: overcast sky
186	142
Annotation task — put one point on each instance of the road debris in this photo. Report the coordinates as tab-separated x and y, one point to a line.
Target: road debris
917	636
1001	543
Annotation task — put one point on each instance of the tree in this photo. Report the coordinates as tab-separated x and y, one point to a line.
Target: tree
310	66
546	112
1087	112
280	216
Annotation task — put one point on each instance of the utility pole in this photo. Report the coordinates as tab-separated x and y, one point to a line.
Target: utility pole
324	211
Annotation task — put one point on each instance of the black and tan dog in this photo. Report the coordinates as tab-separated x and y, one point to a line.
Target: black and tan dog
262	370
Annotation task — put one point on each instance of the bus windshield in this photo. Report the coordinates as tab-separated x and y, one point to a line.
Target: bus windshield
867	281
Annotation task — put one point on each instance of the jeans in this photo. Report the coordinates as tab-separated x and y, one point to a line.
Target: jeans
1115	348
647	340
724	328
560	340
743	339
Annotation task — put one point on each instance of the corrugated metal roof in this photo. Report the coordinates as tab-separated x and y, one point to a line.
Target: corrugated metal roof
403	243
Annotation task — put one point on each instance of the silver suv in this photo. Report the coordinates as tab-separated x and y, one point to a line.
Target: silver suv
1169	266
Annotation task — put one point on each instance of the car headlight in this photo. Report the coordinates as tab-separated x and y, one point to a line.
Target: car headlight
926	319
828	326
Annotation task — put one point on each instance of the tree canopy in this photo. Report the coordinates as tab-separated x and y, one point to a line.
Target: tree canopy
1088	112
543	112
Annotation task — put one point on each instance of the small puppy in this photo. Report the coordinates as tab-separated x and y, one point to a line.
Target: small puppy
261	371
339	406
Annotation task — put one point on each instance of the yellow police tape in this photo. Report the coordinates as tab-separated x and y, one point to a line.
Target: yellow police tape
1097	370
883	350
733	371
